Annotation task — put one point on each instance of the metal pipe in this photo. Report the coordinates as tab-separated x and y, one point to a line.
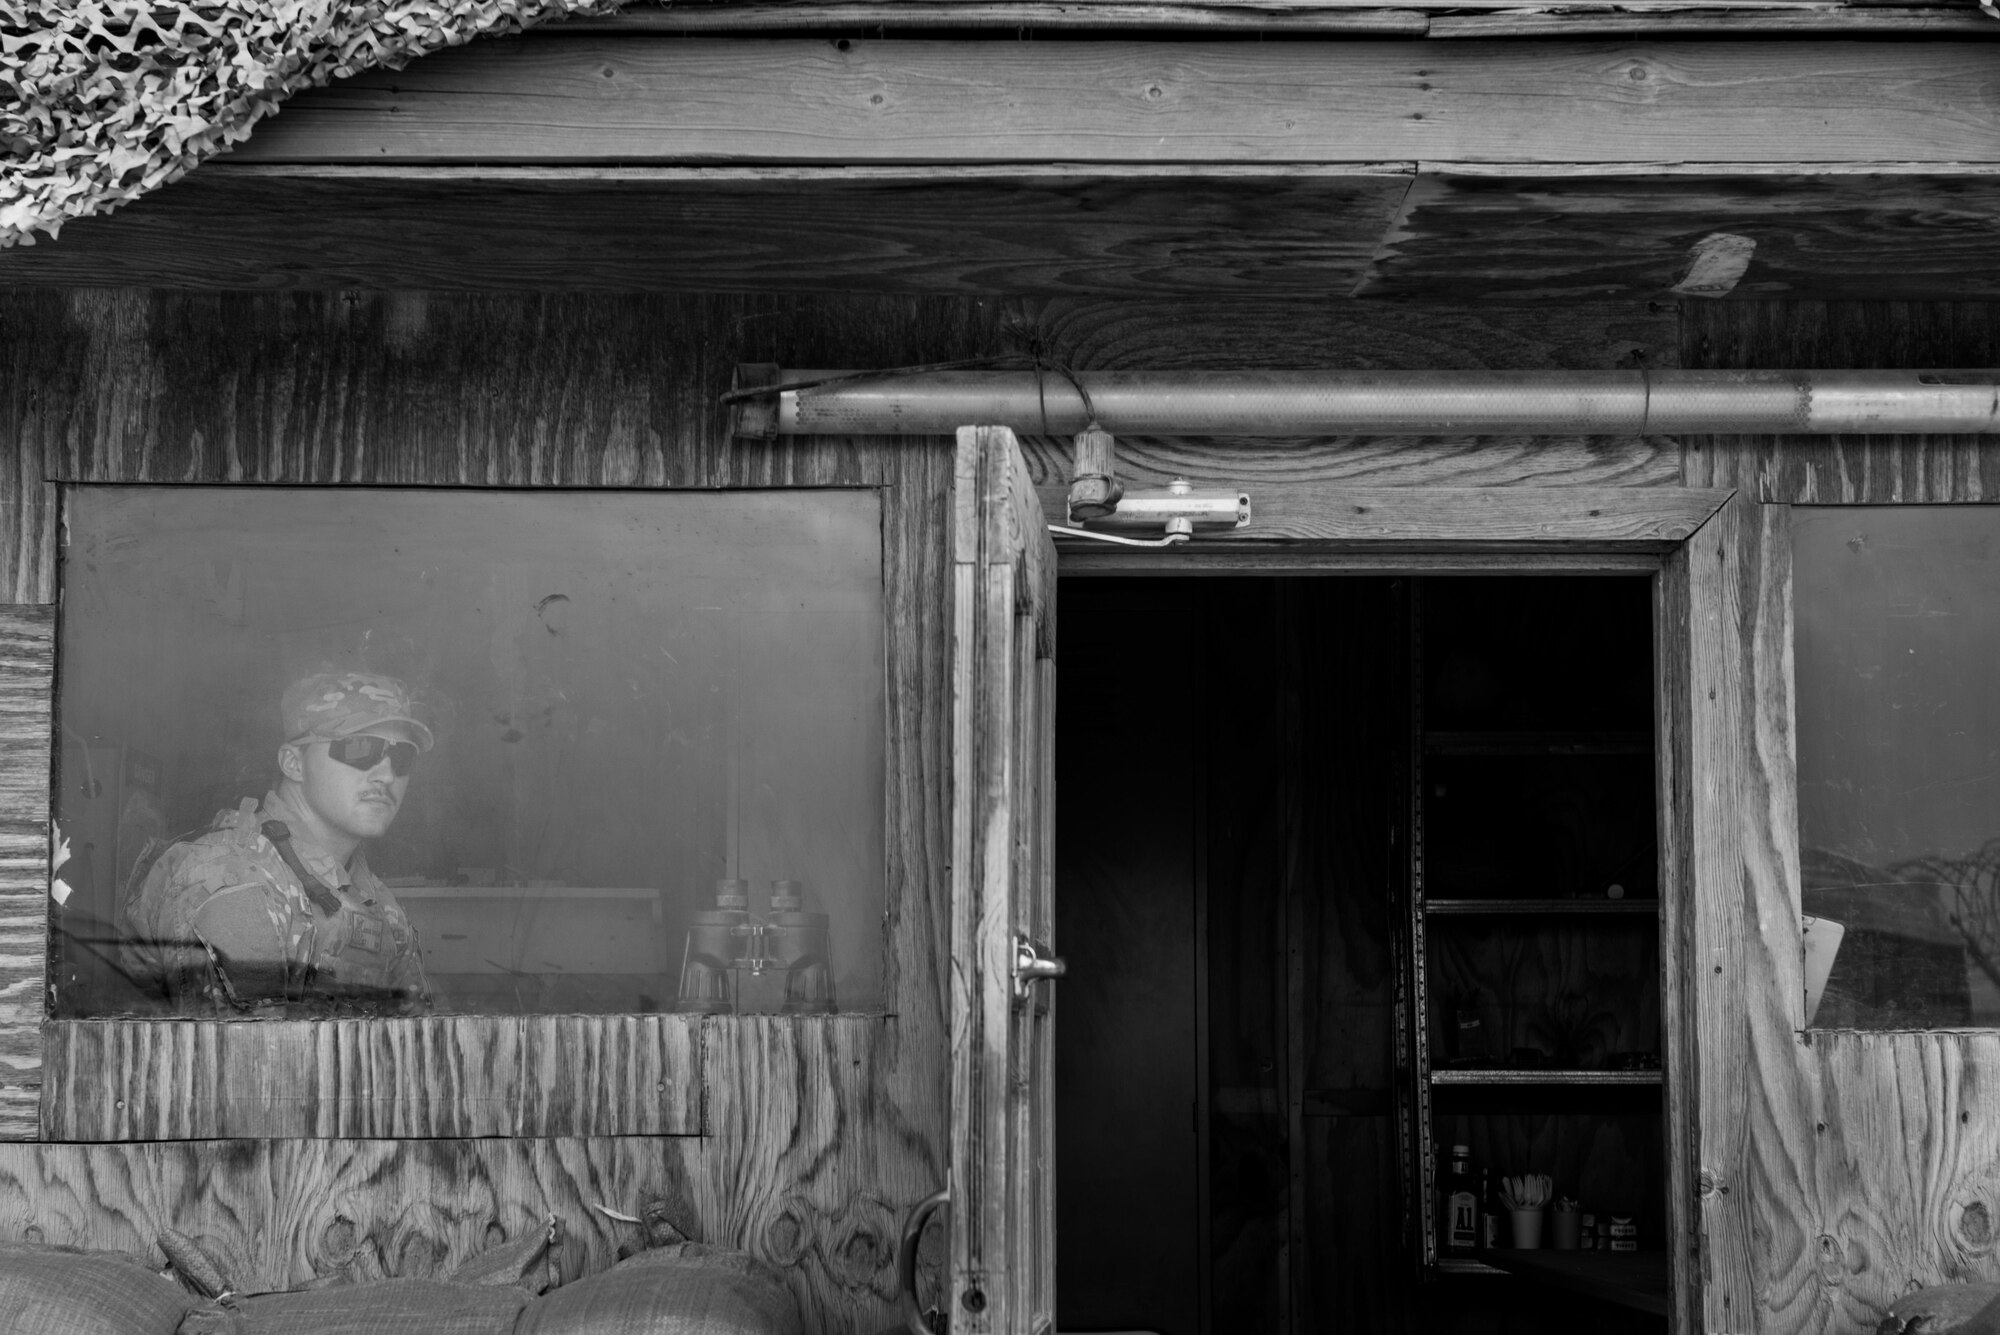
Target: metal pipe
1375	403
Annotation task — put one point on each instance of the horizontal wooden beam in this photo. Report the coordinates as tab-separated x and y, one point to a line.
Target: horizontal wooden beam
1312	234
1333	516
1843	20
638	20
878	16
1326	19
967	231
1532	237
577	99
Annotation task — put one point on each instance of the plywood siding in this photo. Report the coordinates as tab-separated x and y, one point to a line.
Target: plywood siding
1830	1177
1439	231
443	1076
523	390
1840	1170
27	662
1838	470
603	99
282	1213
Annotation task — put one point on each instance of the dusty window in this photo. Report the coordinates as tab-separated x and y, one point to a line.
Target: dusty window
365	751
1897	638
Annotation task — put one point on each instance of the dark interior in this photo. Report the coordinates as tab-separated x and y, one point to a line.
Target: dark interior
1242	764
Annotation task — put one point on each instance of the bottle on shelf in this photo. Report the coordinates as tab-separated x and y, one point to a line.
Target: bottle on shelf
1460	1234
1489	1212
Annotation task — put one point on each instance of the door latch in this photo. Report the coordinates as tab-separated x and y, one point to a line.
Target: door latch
1032	963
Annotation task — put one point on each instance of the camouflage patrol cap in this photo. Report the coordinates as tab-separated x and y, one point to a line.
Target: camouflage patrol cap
340	704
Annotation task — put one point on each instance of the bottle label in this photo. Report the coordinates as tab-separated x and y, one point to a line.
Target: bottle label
1461	1221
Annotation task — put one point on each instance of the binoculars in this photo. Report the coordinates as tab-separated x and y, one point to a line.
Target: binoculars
728	941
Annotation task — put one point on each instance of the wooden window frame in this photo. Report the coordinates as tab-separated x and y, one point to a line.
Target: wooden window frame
1685	540
443	1077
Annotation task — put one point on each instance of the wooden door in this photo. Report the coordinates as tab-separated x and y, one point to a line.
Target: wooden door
1002	868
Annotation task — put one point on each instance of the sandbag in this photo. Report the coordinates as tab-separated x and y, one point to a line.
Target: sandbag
527	1263
63	1291
388	1307
687	1288
1947	1309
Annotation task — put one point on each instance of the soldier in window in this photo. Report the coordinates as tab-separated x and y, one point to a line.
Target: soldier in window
274	907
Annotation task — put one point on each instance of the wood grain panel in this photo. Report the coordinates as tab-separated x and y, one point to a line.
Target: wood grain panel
1756	1096
916	560
575	99
1840	470
1003	590
122	386
1436	518
1911	1197
1137	232
1513	234
431	1077
1838	1175
523	390
1164	14
283	1213
612	1075
1673	701
900	15
814	1151
1809	24
821	1134
27	669
1249	334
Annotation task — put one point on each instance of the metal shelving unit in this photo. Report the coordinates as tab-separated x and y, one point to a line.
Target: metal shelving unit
1415	1098
1544	1076
1537	743
1542	907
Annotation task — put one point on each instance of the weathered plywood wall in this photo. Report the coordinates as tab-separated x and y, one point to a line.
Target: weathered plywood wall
427	1077
1832	1176
27	663
805	1139
1836	1171
579	390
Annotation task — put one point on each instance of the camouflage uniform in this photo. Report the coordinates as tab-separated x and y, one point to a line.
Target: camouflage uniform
222	923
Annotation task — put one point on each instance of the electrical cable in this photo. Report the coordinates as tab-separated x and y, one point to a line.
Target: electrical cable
1171	540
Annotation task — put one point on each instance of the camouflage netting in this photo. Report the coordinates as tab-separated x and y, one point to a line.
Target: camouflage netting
104	100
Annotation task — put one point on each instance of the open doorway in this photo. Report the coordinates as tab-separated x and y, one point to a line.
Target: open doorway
1355	870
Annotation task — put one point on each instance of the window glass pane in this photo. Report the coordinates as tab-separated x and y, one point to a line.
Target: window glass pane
570	751
1897	616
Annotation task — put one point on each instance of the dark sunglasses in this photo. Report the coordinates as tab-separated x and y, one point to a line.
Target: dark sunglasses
365	753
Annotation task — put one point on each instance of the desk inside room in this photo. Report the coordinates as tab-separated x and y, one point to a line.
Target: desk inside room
520	949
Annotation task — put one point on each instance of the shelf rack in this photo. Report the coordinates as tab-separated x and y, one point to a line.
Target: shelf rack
1418	1078
1545	907
1538	743
1544	1076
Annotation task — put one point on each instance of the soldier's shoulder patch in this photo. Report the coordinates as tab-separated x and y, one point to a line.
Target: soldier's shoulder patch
218	858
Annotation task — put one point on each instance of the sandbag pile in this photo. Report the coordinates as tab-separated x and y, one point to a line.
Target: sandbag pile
64	1291
1947	1309
680	1289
